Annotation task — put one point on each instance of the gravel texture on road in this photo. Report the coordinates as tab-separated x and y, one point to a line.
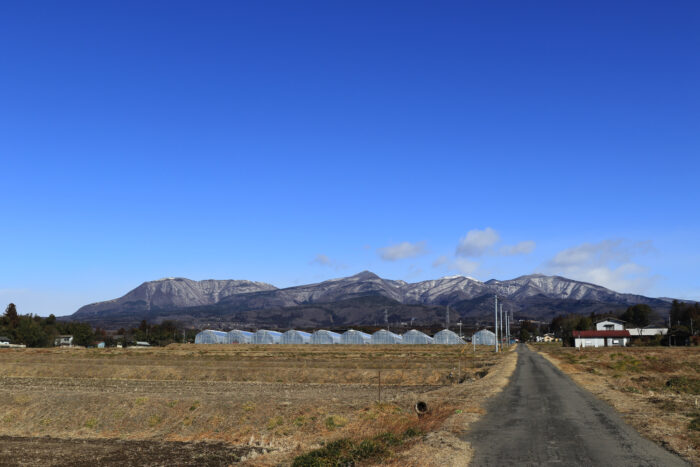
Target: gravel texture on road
543	418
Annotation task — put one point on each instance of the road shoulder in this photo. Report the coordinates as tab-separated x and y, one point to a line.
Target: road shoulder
443	447
641	411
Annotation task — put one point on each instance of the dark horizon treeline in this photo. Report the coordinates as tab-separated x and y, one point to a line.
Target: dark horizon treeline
35	331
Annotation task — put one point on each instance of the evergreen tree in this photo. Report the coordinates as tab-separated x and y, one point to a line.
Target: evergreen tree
11	315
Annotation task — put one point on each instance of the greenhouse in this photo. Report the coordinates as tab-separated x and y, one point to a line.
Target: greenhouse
325	337
296	337
210	337
416	337
352	336
484	337
264	336
385	337
239	337
447	337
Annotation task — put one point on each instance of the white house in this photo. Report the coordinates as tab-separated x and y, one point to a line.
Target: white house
63	341
605	338
610	324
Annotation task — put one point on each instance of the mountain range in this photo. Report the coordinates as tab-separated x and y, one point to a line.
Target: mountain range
361	299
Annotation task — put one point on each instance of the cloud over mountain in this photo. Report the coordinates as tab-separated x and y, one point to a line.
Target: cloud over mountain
610	263
402	250
477	242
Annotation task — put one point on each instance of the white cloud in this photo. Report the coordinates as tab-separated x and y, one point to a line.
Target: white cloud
402	250
464	266
440	261
323	260
609	263
522	248
477	242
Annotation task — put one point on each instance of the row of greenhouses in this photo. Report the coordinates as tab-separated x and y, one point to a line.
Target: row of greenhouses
351	336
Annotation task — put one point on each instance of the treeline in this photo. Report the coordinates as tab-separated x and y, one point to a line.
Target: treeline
684	321
35	331
167	332
685	316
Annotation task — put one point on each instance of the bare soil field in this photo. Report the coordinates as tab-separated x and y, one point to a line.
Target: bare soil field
228	403
655	389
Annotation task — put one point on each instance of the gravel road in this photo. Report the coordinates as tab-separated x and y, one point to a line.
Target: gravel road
543	418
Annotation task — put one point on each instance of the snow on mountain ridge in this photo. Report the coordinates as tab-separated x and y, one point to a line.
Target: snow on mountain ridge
180	293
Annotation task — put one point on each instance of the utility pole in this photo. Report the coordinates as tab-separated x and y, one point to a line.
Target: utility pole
507	332
495	316
386	319
447	317
508	314
501	322
460	327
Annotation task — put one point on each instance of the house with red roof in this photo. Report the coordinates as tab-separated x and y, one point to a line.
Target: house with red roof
609	332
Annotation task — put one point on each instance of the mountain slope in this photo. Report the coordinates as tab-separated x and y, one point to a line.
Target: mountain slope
361	297
172	293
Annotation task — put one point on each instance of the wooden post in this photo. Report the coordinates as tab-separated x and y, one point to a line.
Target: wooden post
379	379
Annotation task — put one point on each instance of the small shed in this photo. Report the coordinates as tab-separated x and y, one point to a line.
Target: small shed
209	336
351	336
325	337
263	336
416	337
447	337
296	337
63	341
236	336
484	337
385	337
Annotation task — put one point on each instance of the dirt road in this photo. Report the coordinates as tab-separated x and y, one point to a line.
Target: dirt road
544	418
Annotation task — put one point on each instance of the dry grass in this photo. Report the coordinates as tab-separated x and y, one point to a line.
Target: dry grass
443	446
656	389
287	399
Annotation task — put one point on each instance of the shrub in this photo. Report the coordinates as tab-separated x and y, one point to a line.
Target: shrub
684	384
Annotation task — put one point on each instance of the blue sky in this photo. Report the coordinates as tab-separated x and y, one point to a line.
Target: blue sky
292	142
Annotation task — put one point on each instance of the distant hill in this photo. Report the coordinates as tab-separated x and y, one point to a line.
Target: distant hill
356	300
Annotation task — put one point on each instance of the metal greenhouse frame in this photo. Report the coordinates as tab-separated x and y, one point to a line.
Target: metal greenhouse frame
416	337
484	337
325	337
447	337
351	336
209	336
264	336
295	337
385	337
236	336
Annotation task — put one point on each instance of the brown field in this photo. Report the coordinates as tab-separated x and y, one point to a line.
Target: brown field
258	404
656	389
